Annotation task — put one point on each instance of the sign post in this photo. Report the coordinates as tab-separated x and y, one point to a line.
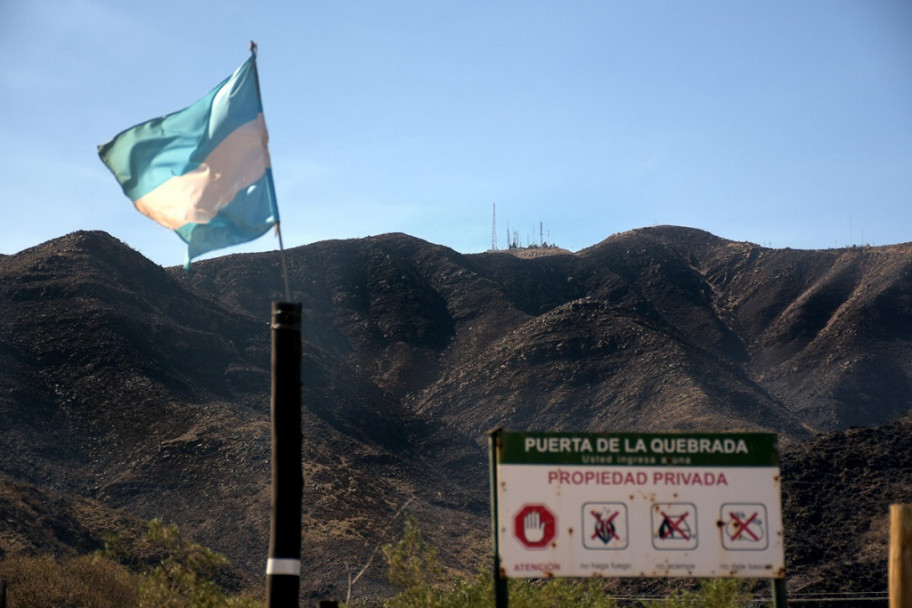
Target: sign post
501	592
900	559
637	505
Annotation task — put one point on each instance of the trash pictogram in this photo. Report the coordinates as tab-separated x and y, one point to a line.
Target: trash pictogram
674	526
535	526
744	526
604	525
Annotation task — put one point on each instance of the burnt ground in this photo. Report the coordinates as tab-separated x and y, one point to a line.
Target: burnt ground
835	496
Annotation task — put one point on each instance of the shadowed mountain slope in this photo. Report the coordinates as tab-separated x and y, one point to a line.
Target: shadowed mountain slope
146	389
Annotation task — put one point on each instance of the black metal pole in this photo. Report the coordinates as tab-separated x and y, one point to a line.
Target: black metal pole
283	567
501	592
780	599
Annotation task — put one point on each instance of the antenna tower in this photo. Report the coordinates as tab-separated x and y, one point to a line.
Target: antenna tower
494	229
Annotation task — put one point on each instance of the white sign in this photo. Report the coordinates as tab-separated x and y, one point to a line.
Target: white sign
698	505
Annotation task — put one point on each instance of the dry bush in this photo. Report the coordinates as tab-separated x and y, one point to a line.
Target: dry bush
88	581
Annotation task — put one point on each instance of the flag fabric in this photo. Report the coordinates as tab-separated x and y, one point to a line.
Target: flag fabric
203	171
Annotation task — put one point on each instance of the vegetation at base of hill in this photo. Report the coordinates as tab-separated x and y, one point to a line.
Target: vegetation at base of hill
87	581
158	570
163	570
414	567
718	592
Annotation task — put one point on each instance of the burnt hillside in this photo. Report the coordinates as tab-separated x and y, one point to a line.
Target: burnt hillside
145	390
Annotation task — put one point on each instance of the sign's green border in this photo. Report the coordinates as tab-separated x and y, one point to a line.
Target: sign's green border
639	449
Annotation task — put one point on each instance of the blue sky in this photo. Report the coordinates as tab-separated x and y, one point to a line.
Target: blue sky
783	123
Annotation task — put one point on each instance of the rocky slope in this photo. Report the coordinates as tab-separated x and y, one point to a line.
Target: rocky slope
145	390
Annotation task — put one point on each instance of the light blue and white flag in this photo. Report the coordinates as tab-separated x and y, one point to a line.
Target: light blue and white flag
204	171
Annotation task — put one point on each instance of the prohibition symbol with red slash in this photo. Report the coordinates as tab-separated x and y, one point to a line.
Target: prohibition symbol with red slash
604	529
744	526
674	526
604	525
535	526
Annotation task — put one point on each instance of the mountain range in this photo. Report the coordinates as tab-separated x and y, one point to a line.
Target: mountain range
129	391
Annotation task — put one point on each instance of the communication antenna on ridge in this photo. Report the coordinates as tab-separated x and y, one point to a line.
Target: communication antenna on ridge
494	229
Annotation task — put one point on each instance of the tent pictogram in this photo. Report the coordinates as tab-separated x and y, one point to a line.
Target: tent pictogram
674	526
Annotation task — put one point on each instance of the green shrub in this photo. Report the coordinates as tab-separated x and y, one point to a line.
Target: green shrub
185	574
713	593
413	562
559	592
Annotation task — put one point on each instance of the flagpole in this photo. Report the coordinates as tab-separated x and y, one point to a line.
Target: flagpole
283	565
278	224
284	266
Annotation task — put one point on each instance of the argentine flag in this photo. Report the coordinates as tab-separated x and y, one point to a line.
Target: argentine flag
204	171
